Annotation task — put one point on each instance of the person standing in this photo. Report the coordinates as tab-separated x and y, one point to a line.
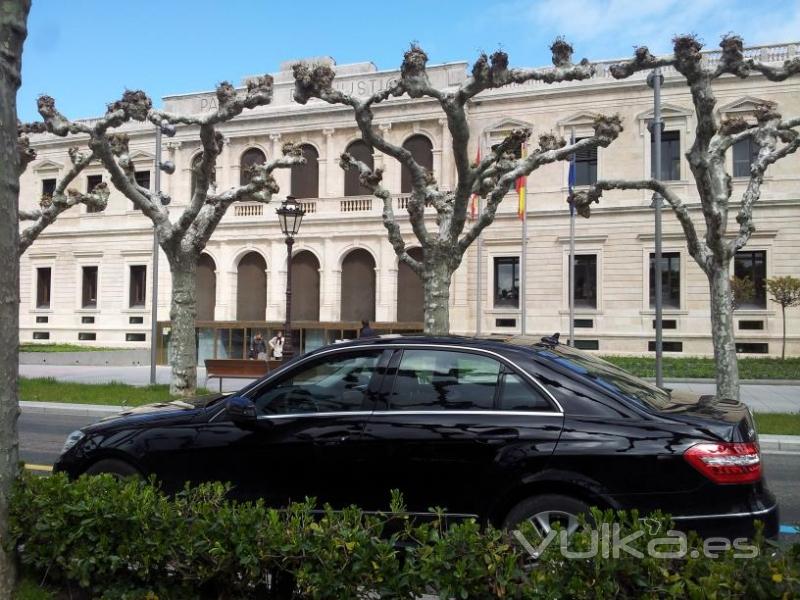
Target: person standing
258	349
276	345
366	330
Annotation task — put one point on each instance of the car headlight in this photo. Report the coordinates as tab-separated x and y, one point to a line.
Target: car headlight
72	439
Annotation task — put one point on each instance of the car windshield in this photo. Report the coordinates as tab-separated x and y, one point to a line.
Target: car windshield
605	374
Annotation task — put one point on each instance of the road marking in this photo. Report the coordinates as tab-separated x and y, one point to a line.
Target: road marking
790	529
47	468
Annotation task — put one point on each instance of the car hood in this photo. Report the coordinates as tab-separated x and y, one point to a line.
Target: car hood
174	412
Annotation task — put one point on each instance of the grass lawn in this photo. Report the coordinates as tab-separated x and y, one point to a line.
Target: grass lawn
29	347
749	368
29	590
47	389
778	423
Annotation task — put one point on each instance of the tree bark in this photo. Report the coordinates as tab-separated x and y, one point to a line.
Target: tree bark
13	18
436	295
182	313
727	368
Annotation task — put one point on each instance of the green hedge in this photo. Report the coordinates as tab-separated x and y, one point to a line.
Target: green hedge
112	539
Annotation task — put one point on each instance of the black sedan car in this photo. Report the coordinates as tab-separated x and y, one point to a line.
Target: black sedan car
502	431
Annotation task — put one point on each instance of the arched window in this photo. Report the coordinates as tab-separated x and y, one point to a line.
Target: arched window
362	152
409	291
305	178
421	149
250	158
358	286
305	286
206	278
251	288
195	163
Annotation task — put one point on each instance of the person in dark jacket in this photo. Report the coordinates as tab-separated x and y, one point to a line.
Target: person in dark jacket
258	349
366	330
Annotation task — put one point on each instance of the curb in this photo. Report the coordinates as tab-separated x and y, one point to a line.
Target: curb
78	410
794	382
779	443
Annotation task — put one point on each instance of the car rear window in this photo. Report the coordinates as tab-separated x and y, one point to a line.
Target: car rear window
606	375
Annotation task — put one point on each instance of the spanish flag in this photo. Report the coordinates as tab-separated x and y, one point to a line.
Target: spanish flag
521	181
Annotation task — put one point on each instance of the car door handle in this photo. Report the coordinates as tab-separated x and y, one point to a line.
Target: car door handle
498	435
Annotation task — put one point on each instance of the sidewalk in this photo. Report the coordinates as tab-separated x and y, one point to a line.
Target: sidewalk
782	398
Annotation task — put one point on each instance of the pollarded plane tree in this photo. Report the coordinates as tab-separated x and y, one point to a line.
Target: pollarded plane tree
183	238
775	138
63	196
491	178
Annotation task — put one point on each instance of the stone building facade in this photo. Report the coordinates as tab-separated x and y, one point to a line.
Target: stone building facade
87	278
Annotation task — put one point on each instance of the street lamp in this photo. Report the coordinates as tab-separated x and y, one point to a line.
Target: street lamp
290	215
169	168
654	80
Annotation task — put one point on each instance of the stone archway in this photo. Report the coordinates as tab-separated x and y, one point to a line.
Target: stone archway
206	278
410	296
358	286
305	286
251	288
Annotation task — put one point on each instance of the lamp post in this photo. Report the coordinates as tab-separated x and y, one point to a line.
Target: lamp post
654	80
169	168
290	215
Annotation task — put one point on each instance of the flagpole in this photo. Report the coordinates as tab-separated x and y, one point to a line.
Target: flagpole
524	258
571	247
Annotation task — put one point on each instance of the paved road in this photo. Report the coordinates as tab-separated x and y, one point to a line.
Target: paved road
42	436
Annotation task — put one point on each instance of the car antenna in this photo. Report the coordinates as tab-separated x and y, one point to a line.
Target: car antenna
551	340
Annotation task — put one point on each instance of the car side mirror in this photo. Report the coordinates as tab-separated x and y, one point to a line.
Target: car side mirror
242	411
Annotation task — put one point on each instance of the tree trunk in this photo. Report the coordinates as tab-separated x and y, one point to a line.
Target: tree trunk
13	17
727	368
182	313
436	299
783	346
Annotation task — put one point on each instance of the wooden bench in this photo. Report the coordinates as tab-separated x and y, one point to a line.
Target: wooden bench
237	368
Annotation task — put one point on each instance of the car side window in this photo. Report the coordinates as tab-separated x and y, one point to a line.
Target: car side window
331	384
444	380
519	395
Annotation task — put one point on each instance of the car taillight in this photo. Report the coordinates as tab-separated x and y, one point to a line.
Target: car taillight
730	462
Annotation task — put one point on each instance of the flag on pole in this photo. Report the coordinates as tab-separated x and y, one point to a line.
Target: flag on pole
473	203
571	176
521	189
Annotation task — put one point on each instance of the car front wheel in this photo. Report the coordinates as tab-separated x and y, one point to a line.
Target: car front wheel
117	468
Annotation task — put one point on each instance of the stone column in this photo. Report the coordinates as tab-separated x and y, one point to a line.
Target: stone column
224	180
328	167
445	158
282	176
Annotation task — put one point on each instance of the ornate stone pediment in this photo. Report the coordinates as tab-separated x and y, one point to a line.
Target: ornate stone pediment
47	165
744	106
141	156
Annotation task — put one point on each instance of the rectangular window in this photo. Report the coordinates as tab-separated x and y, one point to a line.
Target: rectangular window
586	166
751	325
667	324
136	320
666	346
85	336
89	294
41	335
143	179
41	319
43	287
587	344
87	320
586	281
752	265
584	323
505	322
48	187
670	279
752	348
506	281
670	156
92	182
135	337
744	153
138	286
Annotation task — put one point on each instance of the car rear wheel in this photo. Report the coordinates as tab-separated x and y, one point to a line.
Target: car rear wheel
547	511
117	468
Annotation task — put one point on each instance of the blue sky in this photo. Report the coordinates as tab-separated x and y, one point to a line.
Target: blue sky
86	52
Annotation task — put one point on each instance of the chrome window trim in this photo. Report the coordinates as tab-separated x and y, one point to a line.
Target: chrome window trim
413	412
396	346
754	513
